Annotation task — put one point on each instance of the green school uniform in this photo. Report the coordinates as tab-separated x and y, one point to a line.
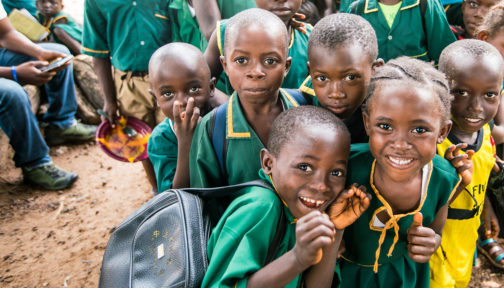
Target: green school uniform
71	27
184	26
163	152
297	51
406	37
228	8
239	243
354	123
128	31
395	268
243	146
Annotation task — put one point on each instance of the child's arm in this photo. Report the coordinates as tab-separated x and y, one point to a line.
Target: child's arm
463	164
314	233
498	128
212	55
438	34
185	123
71	43
424	241
207	14
103	69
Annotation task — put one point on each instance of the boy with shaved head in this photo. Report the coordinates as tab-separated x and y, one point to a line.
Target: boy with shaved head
180	82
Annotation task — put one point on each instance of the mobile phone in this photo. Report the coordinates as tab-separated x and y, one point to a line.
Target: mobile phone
56	64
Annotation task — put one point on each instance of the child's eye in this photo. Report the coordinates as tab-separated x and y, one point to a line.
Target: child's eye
419	130
321	78
241	60
338	173
167	94
195	89
384	126
462	93
350	77
491	94
305	167
473	4
271	61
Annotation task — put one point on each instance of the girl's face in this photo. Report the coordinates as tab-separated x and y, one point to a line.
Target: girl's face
473	12
404	126
49	8
310	170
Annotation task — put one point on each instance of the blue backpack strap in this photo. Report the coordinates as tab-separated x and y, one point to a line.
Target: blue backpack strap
218	135
298	96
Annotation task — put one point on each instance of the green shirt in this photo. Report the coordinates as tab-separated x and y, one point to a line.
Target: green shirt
243	147
406	37
228	8
390	11
163	152
184	26
128	31
239	243
71	27
398	270
297	51
354	123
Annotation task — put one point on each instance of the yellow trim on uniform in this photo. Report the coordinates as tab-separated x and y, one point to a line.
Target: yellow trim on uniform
230	132
371	222
219	37
420	55
306	89
392	222
292	38
455	189
411	6
358	264
59	17
366	11
289	97
161	16
447	7
95	51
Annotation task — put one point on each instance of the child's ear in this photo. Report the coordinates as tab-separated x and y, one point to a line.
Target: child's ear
267	161
308	66
224	63
153	96
288	63
482	35
365	118
377	63
211	86
443	132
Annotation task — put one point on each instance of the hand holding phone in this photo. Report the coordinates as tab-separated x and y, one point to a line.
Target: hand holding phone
56	64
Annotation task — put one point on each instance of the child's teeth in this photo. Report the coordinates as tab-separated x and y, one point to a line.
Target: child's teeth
316	203
401	161
472	120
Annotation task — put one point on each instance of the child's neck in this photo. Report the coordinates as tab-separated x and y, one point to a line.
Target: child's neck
403	195
389	2
464	136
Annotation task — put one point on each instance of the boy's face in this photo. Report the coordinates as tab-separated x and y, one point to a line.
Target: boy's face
176	81
284	9
404	127
310	170
256	63
49	8
340	77
476	86
473	12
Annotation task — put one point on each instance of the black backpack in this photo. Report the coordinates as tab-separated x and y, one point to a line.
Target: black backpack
163	243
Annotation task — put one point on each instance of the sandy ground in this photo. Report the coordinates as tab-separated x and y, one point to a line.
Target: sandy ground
57	239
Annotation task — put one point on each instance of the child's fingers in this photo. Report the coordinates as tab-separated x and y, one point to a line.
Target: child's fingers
189	110
416	233
459	160
195	117
176	112
449	152
470	153
459	147
419	258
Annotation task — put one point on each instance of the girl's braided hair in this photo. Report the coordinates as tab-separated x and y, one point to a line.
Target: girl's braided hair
493	21
414	73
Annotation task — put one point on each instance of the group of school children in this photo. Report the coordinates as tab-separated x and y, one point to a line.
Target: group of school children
349	123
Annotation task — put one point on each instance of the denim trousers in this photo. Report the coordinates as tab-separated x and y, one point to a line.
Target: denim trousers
16	117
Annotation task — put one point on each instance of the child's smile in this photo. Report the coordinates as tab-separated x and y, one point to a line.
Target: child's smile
310	170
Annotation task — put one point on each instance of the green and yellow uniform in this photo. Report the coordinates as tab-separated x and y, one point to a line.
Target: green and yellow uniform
406	36
243	146
354	123
297	51
451	265
390	256
239	243
163	152
228	8
128	31
185	27
71	27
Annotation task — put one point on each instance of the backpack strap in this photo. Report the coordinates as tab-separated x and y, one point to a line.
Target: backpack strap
353	7
297	95
277	239
423	8
217	133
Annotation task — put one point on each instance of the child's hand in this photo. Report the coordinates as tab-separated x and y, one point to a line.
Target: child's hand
422	241
296	24
349	206
185	121
461	162
314	231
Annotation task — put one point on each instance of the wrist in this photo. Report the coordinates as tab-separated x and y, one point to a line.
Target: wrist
14	73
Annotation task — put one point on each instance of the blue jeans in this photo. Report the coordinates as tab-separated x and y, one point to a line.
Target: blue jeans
17	119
